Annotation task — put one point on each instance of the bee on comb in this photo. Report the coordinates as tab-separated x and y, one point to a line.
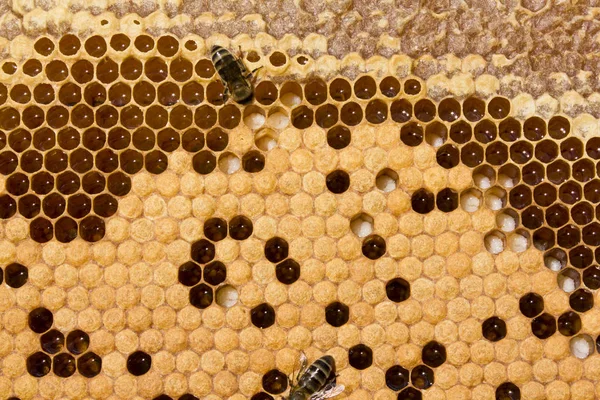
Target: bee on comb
233	73
317	382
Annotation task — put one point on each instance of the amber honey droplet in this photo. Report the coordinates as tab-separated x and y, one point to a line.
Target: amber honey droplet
401	110
32	67
138	363
215	93
508	391
8	162
19	140
95	46
449	110
144	43
275	382
69	45
78	341
82	71
119	94
57	71
38	364
411	134
181	69
81	160
17	184
337	314
204	162
337	181
423	201
494	329
119	42
262	316
40	320
412	87
201	296
376	112
569	323
44	46
397	377
192	140
373	247
91	229
54	205
16	275
52	341
531	305
203	251
156	162
302	117
474	109
64	365
351	114
8	207
532	217
94	94
229	116
570	192
266	93
67	182
520	197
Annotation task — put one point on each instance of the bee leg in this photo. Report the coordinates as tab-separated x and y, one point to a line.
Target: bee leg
251	74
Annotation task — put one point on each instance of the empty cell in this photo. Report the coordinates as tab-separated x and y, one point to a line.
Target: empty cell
495	198
386	180
266	139
507	220
495	242
470	200
362	225
229	163
254	117
291	94
436	134
581	346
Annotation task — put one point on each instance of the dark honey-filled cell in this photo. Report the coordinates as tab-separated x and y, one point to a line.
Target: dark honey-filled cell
531	305
496	153
569	323
189	274
38	364
433	354
423	201
119	94
95	46
447	200
557	215
485	131
360	356
583	170
69	45
229	116
204	69
277	59
57	117
275	382
78	341
591	278
591	234
259	396
118	183
168	139
156	69
215	229
156	117
422	377
167	46
144	139
44	46
373	247
94	139
63	365
508	391
546	151
582	213
558	172
79	205
131	68
591	191
65	229
558	127
568	236
424	110
543	326
120	42
337	314
473	109
337	181
57	71
119	138
240	227
8	162
521	152
17	184
168	93
493	329
411	134
192	140
276	249
412	87
9	67
8	206
20	93
19	140
203	251
217	139
448	156
499	107
82	116
339	137
449	110
9	118
571	149
570	192
92	228
93	182
94	94
315	91
105	205
302	117
326	116
532	217
287	271
215	273
534	128
581	300
545	194
81	160
262	316
365	87
181	117
144	93
215	93
32	67
89	365
181	69
33	117
156	162
410	393
52	341
592	148
138	363
82	71
389	86
509	130
204	162
351	114
40	320
205	117
471	154
16	275
266	93
397	377
54	205
401	110
67	182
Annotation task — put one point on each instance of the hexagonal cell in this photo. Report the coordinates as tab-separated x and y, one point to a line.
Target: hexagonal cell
533	173
266	93
519	241
376	112
447	156
424	110
534	128
568	280
449	110
340	89
484	177
389	86
362	225
509	175
386	180
472	154
315	91
495	242
532	217
412	87
302	117
278	59
507	220
470	200
592	147
559	127
226	296
365	87
351	114
266	139
485	131
436	134
570	192
571	149
229	163
401	110
326	116
473	109
254	117
499	107
556	260
581	346
496	198
543	239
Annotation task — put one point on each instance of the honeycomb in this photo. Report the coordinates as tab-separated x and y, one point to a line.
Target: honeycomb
431	223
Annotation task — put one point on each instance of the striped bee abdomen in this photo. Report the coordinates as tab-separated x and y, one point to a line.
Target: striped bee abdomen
318	374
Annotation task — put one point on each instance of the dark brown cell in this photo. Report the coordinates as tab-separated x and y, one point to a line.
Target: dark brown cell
144	139
9	118
168	93
449	110
447	200
520	197
79	205
65	230
156	162
67	182
360	357
302	117
531	305
275	382
43	93
569	323
339	137
521	152
81	160
546	151
204	162
9	67
95	46
582	213
54	205
8	162
276	249
558	127
215	229
376	112
78	342
181	69
592	148
192	140
69	94
107	70
461	132
545	195
365	87
326	116
571	149
42	183
40	320
570	192
472	154
401	110
8	207
32	67
448	156
389	87
277	59
474	109
412	87
262	316
215	93
156	117
144	43
217	139
118	183
534	128
253	161
3	93
373	247
168	139
485	131
105	205
591	234
91	228
204	69
57	71
89	364
266	93
532	217
180	117
508	391
494	329
52	341
44	46
189	273
167	46
57	117
33	117
591	191
568	236
581	300
119	42
397	378
229	116
119	94
557	215
287	271
591	278
138	363
351	114
107	116
496	153
203	251
156	69
193	94
20	93
205	117
131	68
16	275
93	182
82	116
337	314
583	170
69	45
558	172
119	138
315	92
581	257
94	94
29	206
82	71
38	364
337	181
19	140
509	130
499	107
424	110
423	201
215	273
411	134
17	184
201	296
94	139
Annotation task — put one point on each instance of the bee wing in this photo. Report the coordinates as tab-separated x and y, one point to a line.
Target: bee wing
329	391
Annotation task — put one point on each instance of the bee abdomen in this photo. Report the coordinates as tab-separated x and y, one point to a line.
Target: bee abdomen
318	374
221	57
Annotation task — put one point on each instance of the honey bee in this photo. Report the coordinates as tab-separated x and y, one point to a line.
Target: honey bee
234	74
317	382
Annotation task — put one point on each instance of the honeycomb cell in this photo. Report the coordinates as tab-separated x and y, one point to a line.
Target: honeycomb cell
276	249
189	274
131	68
64	365
412	87
570	192
447	200
339	137
401	110
79	205
43	93
217	139
591	234
340	89
568	236
262	316
8	162
156	69
521	151
120	42
215	229
204	162
57	117
436	134
229	116
81	160
287	271
337	314
262	396
531	305
38	364
424	110
581	257
205	69
107	116
57	71
143	139
40	320
591	191
69	94
558	127
497	153
44	46
571	149
16	275
472	154
203	251
78	342
93	182
275	382
65	229
94	94
119	138
3	93
89	365
240	227
33	117
410	393
119	94
168	94
546	151
422	377
105	205
337	181
411	134
326	116
532	217
156	117
52	341
8	206
473	109
493	329
215	273
591	278
373	247
19	140
156	162
69	45
499	107
302	117
32	67
94	139
397	378
448	156
389	87
582	213
192	140
67	182
592	148
266	93
54	206
545	195
351	114
315	91
9	67
205	117
569	323
181	69
215	93
449	110
508	391
17	184
20	93
277	59
557	215
168	140
92	228
485	131
9	118
583	170
119	184
168	46
180	117
433	354
82	116
82	71
107	70
95	45
139	362
543	326
558	172
581	300
365	87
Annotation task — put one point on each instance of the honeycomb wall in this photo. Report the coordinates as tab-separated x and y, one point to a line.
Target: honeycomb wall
437	235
